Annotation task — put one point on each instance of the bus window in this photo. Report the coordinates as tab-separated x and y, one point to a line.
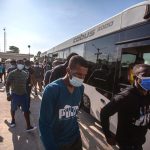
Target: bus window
101	77
79	49
146	57
61	54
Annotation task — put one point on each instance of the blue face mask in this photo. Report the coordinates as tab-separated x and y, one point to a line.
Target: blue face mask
145	83
76	82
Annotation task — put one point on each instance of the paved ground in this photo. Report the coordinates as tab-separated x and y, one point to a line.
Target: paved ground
17	139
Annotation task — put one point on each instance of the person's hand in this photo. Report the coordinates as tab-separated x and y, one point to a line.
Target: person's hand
111	140
9	98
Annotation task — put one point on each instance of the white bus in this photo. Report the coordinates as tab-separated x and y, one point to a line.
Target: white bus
110	47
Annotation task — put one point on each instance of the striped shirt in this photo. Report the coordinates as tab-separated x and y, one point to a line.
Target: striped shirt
18	80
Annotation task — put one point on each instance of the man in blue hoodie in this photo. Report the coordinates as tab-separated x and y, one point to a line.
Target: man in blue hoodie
60	103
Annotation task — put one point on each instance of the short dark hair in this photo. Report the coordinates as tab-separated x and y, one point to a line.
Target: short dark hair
77	60
27	62
20	61
13	61
36	63
71	55
141	68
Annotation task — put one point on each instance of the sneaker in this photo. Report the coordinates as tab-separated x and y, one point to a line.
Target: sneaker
12	124
31	129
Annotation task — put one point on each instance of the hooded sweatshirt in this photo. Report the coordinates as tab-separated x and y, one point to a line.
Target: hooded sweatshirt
133	116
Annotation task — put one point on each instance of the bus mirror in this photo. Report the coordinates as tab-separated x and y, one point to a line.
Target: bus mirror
147	12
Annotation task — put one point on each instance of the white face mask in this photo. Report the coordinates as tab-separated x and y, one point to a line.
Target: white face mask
13	66
27	67
20	66
36	65
76	82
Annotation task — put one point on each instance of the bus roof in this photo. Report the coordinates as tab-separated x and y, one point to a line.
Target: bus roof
124	19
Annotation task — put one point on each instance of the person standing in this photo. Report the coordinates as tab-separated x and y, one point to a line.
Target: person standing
60	70
138	60
39	75
12	67
133	108
46	66
60	103
1	72
31	78
48	73
17	80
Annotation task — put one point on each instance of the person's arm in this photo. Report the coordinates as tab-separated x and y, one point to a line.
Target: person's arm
46	120
46	77
56	73
107	111
4	71
8	84
53	75
82	93
32	80
42	73
32	75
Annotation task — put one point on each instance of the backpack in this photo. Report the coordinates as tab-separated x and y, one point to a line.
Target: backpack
38	72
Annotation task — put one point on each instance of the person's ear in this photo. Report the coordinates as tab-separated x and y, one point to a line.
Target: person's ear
68	70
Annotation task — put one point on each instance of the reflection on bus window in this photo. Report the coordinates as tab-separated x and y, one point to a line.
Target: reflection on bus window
101	76
126	66
146	57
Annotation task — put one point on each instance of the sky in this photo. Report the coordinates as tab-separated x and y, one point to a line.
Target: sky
43	24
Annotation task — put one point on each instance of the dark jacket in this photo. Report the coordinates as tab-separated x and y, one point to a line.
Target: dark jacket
58	72
133	116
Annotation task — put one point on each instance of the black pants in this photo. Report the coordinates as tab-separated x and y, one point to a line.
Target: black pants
76	145
130	147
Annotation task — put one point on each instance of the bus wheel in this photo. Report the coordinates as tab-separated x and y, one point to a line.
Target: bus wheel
86	103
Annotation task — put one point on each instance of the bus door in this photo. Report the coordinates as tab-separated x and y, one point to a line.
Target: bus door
129	58
132	54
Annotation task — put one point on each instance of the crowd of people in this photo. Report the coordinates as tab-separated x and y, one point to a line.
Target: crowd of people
20	78
61	98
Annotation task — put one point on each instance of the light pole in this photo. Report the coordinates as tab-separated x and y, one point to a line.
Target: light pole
4	40
29	51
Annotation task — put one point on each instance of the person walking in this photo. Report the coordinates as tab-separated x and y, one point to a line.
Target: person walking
31	78
46	66
39	75
12	67
1	72
48	73
60	70
17	80
60	103
133	108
